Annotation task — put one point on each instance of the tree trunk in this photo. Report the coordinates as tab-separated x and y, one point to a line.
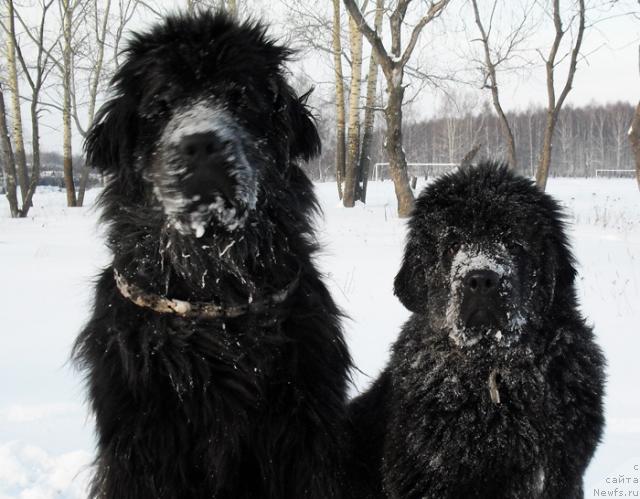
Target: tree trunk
340	111
16	114
101	33
634	138
8	161
395	151
364	164
393	68
634	134
554	106
353	132
544	162
82	187
66	106
35	163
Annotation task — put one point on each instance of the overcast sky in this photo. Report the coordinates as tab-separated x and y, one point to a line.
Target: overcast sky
607	72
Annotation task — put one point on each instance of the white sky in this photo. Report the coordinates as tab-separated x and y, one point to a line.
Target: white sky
608	72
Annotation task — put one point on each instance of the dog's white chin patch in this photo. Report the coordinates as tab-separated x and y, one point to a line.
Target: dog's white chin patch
196	222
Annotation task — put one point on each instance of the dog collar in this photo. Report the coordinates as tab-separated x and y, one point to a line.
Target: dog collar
200	310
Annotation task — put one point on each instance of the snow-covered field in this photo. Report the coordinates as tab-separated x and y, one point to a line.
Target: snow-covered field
47	264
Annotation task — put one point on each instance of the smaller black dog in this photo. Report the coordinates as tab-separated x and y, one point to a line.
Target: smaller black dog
494	389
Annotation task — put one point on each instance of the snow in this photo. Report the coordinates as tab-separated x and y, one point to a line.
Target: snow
48	263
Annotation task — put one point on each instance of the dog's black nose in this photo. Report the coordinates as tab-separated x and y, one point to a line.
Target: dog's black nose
481	282
208	160
200	147
481	300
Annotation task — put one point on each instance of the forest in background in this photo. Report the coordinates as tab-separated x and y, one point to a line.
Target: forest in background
587	139
381	66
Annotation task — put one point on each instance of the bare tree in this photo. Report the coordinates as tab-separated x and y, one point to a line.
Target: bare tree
393	65
35	71
68	10
340	106
16	113
493	59
353	130
42	69
364	163
100	21
126	11
634	135
554	104
8	161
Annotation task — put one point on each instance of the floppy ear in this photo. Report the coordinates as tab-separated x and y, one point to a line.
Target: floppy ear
559	271
305	141
410	284
109	143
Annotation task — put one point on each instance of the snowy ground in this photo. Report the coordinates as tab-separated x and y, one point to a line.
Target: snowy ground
47	263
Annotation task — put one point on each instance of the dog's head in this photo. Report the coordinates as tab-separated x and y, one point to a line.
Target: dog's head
201	113
486	256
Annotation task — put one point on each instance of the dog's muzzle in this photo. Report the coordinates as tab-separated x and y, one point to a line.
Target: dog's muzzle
202	175
484	295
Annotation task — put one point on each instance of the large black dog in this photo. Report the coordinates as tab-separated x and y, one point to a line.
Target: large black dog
215	361
495	385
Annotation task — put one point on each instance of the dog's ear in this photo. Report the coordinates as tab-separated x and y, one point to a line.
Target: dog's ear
305	142
410	284
110	140
558	271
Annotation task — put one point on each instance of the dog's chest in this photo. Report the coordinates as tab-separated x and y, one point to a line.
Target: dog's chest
498	407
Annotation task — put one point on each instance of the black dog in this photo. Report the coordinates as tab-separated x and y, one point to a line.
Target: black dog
215	360
494	389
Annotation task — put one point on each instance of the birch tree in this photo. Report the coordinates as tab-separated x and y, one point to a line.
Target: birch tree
634	134
31	53
8	160
339	88
353	131
41	70
99	22
393	63
19	154
69	10
364	163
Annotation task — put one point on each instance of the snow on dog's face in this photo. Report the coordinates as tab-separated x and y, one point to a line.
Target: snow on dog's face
486	257
200	170
202	113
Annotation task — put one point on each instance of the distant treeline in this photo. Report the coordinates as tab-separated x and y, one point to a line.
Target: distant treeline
587	138
51	170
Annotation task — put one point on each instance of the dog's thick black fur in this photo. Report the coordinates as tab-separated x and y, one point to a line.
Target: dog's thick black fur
205	202
495	385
